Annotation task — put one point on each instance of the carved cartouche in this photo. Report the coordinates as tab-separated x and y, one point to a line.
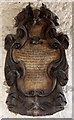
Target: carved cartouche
36	68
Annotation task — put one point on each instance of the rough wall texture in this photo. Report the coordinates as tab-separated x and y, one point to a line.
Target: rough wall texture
9	11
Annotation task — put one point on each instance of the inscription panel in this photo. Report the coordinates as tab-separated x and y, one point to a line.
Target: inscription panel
36	59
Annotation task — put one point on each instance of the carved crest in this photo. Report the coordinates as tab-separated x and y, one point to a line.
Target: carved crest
36	67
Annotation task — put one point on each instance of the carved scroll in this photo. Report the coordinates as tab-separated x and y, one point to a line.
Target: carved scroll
36	67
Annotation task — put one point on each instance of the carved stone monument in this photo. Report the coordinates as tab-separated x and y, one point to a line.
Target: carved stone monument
36	67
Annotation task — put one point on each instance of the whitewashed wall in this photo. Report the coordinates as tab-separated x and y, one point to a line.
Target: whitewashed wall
8	10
